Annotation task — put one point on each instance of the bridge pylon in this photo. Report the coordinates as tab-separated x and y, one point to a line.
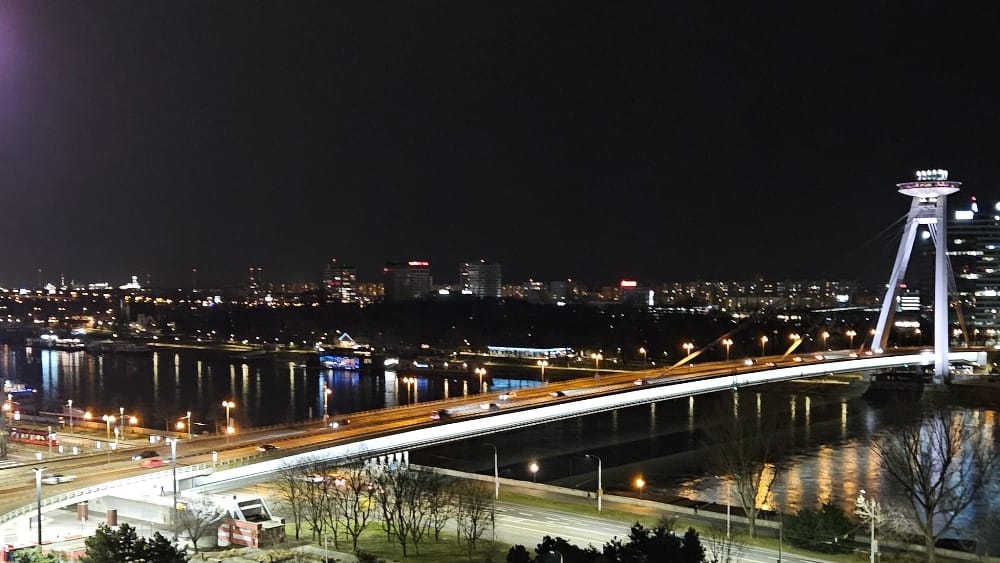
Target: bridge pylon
929	195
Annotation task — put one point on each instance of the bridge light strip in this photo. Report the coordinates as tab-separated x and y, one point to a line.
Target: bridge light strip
463	429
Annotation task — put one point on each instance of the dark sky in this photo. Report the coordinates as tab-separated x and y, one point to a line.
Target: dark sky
571	139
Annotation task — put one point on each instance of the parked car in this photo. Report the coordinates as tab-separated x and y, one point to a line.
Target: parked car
144	455
56	478
266	447
152	462
340	422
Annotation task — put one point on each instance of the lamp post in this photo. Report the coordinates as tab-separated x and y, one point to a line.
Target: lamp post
108	419
480	371
642	350
496	488
542	364
173	457
729	502
600	489
639	484
763	342
38	499
533	467
851	334
824	335
326	401
869	509
70	403
597	363
229	425
121	421
687	346
781	532
727	342
496	471
180	424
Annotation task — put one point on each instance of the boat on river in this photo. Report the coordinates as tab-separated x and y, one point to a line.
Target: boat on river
15	387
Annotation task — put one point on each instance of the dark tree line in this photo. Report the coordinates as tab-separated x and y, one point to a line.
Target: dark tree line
643	545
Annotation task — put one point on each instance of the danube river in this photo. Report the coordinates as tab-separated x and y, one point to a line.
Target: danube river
824	438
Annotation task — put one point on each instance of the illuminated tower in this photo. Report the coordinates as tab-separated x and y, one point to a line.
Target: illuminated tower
928	207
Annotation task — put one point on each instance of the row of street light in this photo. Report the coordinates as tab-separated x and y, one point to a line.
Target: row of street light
534	468
118	422
688	346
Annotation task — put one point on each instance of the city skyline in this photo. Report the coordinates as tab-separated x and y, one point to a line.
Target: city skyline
594	142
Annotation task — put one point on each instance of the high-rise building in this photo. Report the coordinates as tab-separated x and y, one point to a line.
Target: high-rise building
339	283
974	249
407	280
482	279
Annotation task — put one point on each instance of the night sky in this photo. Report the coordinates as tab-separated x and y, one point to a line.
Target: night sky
586	140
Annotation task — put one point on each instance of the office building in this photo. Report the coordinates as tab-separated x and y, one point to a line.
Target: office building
974	250
407	280
339	283
481	278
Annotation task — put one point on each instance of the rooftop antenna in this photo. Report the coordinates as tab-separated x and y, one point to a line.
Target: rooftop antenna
928	207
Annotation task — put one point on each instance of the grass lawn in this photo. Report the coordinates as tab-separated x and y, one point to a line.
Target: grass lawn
446	550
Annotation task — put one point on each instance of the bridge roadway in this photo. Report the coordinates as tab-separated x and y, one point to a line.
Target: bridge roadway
397	429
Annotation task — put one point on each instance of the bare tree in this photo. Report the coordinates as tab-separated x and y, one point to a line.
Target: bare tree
942	464
442	507
198	519
746	450
723	546
293	492
403	496
474	514
353	498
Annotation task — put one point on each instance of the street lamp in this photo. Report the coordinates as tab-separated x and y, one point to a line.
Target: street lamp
326	401
180	424
597	363
480	371
542	364
688	346
600	490
824	335
38	498
727	342
173	457
642	350
229	425
851	334
496	470
70	403
496	487
639	484
763	342
108	419
869	509
729	502
533	467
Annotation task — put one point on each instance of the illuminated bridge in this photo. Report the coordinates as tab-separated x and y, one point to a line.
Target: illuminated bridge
392	432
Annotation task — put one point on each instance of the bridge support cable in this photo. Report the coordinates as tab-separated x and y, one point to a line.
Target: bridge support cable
953	291
888	312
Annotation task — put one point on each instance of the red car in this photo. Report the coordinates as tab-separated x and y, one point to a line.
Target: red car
152	462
